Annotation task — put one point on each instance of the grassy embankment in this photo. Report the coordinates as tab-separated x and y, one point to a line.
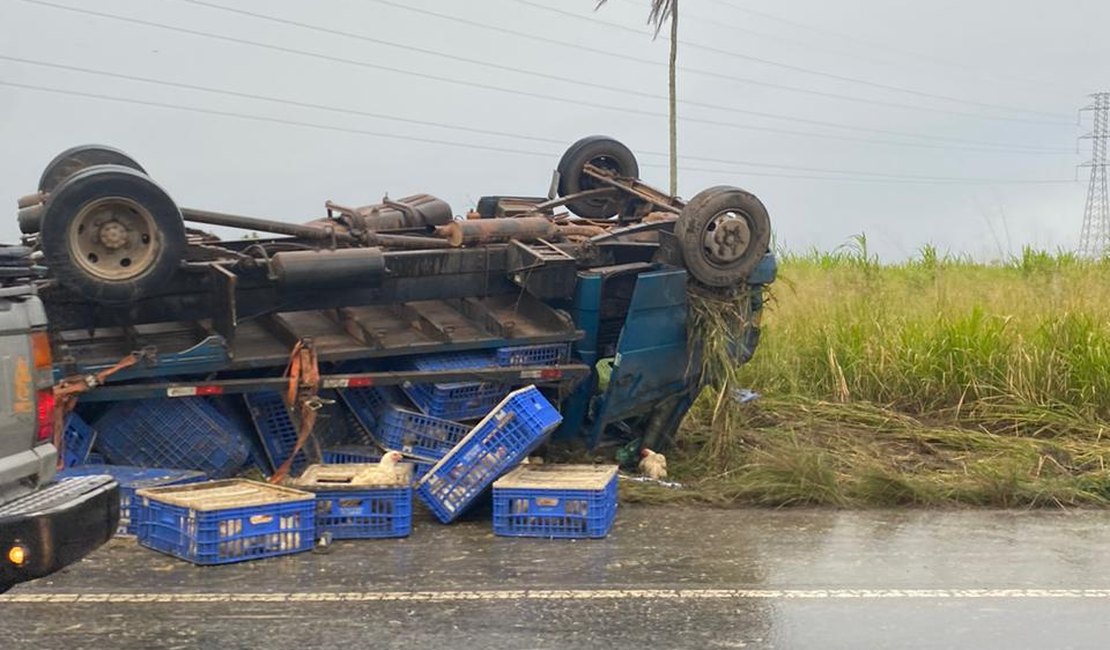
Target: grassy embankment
938	381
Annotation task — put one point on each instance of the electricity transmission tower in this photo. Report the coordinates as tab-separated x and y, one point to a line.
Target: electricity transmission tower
1095	238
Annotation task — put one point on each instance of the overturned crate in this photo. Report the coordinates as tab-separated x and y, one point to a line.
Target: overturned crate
399	428
182	432
519	424
130	480
276	429
360	501
226	521
454	400
555	501
78	439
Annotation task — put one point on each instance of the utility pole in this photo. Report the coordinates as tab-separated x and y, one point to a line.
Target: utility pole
1094	241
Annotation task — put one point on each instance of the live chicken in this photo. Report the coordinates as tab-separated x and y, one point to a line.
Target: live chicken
653	465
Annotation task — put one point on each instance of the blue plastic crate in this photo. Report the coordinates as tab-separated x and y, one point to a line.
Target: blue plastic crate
458	401
364	514
131	479
420	469
234	408
366	405
555	501
394	426
455	400
419	435
499	442
351	454
533	355
358	501
220	522
275	428
180	432
77	441
96	458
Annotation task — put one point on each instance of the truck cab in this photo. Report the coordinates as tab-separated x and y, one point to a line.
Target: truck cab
45	524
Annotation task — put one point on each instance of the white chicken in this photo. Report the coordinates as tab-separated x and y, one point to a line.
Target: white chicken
653	465
389	460
388	465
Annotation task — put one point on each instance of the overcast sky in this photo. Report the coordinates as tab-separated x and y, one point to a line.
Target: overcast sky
951	122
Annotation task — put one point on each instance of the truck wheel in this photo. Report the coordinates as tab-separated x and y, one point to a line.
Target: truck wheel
73	160
112	234
723	233
599	151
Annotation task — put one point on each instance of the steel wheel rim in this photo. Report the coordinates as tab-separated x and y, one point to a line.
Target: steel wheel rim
726	237
113	238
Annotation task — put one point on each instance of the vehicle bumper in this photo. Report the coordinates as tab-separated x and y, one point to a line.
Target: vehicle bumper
57	526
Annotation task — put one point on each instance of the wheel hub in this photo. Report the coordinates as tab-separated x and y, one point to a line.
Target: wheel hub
113	239
727	237
113	235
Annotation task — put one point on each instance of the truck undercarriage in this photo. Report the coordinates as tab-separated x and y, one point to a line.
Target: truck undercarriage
603	265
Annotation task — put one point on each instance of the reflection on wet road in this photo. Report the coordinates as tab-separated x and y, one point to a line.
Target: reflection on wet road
665	578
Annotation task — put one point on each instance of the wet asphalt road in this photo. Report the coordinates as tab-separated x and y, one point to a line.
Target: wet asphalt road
665	578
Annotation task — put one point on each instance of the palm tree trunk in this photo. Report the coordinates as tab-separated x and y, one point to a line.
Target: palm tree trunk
674	98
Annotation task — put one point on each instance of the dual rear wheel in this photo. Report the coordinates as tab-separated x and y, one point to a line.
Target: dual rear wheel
108	231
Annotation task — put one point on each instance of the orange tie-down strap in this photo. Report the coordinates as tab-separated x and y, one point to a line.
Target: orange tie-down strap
301	396
69	389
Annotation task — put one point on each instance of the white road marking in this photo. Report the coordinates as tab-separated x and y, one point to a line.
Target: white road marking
549	594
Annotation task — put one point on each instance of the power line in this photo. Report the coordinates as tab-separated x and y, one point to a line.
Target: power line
383	116
688	69
624	109
803	70
957	65
273	120
277	100
878	177
555	77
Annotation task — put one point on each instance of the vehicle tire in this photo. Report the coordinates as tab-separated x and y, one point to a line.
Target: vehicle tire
723	233
112	234
73	160
600	151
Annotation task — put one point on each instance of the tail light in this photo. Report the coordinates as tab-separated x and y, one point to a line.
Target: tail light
43	360
45	415
40	350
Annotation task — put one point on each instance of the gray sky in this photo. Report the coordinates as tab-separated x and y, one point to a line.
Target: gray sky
1014	73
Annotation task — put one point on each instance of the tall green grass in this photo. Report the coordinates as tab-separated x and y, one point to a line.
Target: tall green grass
934	381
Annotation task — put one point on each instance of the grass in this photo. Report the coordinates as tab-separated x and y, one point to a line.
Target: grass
938	381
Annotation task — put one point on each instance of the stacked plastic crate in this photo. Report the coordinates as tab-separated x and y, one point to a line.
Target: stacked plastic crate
565	501
362	501
220	522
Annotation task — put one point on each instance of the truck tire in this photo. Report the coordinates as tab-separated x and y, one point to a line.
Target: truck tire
112	234
74	159
723	233
600	151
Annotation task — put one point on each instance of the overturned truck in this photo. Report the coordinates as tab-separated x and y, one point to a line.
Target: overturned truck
143	303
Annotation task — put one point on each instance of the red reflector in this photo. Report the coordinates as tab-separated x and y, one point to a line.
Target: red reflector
45	419
209	390
551	373
359	382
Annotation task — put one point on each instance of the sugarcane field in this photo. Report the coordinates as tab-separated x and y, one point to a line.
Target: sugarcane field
523	324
